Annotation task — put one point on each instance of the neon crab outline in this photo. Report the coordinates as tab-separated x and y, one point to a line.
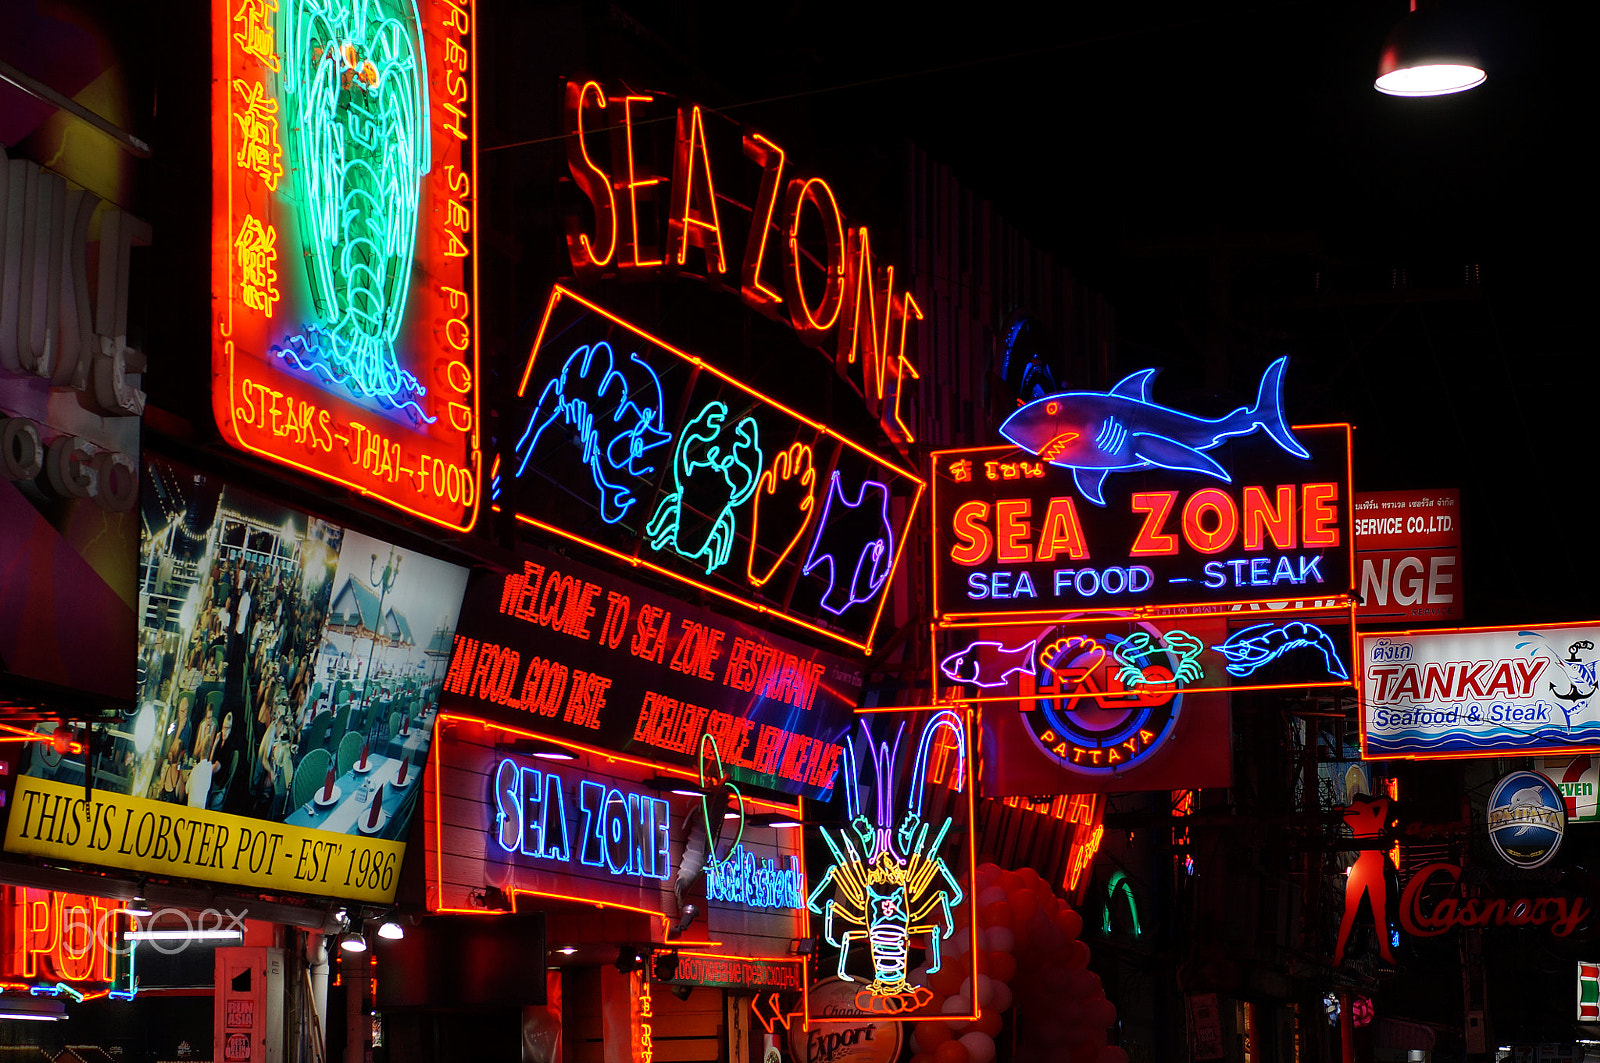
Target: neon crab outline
700	455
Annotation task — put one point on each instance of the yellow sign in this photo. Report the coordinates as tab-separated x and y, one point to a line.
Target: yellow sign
57	821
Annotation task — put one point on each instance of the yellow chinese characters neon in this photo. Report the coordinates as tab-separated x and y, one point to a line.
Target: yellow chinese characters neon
254	35
259	151
256	252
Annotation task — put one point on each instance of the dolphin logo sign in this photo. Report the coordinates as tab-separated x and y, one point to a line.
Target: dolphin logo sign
1098	433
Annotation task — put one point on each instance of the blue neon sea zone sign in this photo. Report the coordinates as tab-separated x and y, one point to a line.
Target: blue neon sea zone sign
608	829
1479	691
756	883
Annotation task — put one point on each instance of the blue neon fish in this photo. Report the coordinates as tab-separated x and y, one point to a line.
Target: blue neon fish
1098	433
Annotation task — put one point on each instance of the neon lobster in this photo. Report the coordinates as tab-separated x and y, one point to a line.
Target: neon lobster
889	881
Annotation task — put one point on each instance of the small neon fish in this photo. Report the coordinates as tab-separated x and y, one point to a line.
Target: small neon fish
971	666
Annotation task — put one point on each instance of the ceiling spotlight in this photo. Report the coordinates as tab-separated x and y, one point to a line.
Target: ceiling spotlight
139	908
391	931
1427	54
354	941
548	752
567	950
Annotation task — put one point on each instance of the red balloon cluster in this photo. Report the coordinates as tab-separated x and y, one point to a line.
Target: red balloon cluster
1027	936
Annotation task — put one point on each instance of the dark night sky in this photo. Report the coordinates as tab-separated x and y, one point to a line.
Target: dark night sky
1107	131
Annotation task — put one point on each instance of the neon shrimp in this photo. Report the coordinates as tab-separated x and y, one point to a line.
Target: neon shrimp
888	881
1254	648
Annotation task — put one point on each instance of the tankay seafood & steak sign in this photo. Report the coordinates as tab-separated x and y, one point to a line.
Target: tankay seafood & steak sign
1480	691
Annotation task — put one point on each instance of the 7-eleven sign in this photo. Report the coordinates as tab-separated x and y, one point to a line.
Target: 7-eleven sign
1589	992
1579	780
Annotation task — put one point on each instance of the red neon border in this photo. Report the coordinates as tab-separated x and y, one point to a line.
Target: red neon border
971	901
557	293
1340	599
433	841
1498	751
222	349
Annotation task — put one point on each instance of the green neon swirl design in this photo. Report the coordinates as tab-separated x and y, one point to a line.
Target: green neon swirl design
355	110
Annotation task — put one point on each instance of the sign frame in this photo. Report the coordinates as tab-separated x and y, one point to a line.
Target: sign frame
560	294
1004	455
931	718
1363	704
946	689
434	826
273	385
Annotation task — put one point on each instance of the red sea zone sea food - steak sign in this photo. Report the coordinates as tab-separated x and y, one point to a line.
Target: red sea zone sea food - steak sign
1014	534
569	651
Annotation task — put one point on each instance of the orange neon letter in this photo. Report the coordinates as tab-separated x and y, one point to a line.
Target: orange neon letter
874	353
632	245
974	541
769	157
594	183
811	324
1012	529
1215	540
688	224
1319	520
903	365
1276	520
1062	532
1155	505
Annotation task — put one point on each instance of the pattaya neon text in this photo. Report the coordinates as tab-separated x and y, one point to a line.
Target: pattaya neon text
841	300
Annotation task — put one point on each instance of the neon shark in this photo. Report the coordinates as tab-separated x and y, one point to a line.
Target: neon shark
1098	433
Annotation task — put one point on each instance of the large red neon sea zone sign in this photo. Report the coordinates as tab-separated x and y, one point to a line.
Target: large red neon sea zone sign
344	338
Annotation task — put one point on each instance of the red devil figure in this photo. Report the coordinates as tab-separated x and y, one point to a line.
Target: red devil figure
1366	819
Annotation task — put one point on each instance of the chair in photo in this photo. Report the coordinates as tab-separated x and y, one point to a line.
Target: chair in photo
310	775
224	780
349	751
